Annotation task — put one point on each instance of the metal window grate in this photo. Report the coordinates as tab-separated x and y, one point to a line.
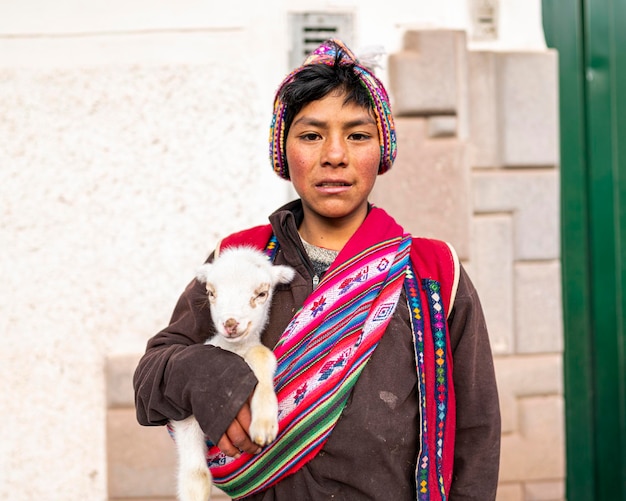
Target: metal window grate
309	29
484	19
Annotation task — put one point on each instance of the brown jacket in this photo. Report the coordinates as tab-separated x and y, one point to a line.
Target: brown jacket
372	451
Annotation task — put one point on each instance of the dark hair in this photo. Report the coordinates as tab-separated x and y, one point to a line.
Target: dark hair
316	81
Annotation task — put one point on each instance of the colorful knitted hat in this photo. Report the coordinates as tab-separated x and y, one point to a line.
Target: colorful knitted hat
326	54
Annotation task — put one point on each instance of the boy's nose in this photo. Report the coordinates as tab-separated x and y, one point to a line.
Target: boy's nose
334	153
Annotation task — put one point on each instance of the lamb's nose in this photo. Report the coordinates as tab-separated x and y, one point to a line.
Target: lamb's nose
231	326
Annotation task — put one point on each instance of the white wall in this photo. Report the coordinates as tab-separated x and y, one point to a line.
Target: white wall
133	135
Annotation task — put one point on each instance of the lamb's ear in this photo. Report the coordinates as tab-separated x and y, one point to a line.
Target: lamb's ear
202	272
282	274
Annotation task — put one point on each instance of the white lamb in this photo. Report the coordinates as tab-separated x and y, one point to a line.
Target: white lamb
239	284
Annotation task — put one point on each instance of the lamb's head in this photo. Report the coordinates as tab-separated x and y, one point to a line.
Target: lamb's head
240	284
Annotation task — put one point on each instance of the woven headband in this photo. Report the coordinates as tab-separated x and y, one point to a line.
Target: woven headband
326	54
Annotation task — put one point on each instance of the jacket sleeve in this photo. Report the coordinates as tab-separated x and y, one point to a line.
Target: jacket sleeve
179	375
477	445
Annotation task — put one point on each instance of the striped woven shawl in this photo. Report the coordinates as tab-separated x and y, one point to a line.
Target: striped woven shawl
322	352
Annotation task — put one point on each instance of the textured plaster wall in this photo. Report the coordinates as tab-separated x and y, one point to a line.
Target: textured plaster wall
117	180
131	137
116	183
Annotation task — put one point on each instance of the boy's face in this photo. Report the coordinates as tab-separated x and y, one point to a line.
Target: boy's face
333	153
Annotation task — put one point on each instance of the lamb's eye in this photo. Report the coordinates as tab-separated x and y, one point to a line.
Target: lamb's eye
261	295
210	294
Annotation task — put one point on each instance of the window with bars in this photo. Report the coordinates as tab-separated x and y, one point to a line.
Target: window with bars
309	29
484	19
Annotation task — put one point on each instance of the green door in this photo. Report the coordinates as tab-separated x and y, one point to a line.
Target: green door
590	36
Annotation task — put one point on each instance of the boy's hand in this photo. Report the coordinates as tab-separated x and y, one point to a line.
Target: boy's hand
236	439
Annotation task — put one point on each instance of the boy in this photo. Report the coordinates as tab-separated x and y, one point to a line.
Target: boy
385	374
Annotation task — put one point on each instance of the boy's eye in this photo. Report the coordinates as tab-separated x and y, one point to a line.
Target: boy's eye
358	136
309	136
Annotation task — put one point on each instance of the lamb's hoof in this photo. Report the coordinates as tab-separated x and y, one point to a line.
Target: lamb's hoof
263	431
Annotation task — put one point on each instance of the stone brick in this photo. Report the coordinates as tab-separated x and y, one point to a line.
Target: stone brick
532	196
536	451
216	495
152	498
538	307
425	77
545	491
528	108
119	380
145	499
427	190
491	271
510	492
513	108
527	376
482	109
442	126
141	460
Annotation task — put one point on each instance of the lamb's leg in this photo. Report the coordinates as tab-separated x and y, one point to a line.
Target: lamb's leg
194	476
263	405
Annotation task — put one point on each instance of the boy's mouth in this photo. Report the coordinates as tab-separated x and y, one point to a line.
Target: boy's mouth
332	184
333	187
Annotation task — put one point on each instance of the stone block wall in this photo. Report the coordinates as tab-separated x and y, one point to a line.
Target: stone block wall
478	166
141	461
